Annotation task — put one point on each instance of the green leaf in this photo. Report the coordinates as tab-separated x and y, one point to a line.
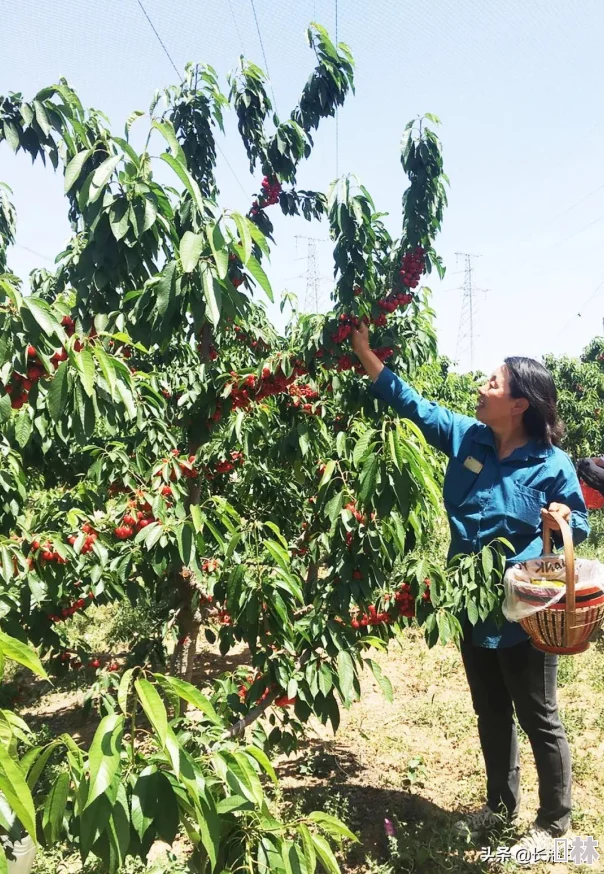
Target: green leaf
280	555
84	363
166	129
327	858
382	681
368	478
332	825
5	409
191	247
54	808
260	276
264	762
244	236
42	117
154	708
258	237
145	801
396	451
74	168
16	791
119	218
107	368
196	518
21	653
212	293
472	611
23	427
310	855
346	674
101	177
327	473
187	180
58	392
191	695
333	507
12	135
45	318
3	861
219	250
186	542
363	447
124	689
104	756
487	562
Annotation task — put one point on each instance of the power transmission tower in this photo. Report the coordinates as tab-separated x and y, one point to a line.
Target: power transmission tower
313	297
467	333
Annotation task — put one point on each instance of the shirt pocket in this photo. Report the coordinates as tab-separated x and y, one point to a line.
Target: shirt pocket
458	484
523	509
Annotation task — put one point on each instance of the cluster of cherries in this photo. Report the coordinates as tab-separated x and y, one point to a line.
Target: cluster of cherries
270	191
253	389
412	267
281	701
352	507
89	540
187	470
46	552
68	611
362	620
73	662
138	517
405	601
21	384
258	344
391	303
344	330
226	466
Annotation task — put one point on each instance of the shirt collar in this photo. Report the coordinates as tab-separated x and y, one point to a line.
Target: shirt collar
532	449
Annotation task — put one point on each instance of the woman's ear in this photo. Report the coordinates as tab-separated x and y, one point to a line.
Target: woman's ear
520	406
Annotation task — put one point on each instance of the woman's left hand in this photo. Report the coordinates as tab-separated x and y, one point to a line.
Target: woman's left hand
560	510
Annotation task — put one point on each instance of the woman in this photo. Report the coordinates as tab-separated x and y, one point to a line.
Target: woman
505	474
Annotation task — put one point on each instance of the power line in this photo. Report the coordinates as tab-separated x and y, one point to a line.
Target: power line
564	212
237	27
159	39
578	315
37	254
264	53
169	56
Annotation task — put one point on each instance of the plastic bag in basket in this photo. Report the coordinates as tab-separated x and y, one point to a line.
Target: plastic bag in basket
533	585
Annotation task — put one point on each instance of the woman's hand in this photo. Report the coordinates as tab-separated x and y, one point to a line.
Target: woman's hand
359	340
561	510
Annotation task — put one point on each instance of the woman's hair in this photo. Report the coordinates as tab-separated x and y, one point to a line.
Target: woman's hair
530	380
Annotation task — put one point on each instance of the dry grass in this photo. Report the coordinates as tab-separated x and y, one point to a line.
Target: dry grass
417	762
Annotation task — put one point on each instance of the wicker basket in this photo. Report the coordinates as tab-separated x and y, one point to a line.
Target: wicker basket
568	626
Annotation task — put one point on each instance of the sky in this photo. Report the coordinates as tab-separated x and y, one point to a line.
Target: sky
517	84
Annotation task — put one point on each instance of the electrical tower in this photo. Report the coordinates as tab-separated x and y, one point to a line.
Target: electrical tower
313	297
467	333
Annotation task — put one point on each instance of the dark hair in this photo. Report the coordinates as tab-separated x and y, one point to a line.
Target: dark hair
530	380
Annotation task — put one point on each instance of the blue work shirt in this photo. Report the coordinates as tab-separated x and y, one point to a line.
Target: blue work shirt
491	497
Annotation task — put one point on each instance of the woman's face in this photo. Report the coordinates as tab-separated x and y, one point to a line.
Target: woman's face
496	407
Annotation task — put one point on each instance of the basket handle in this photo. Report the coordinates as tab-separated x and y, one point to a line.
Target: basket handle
569	561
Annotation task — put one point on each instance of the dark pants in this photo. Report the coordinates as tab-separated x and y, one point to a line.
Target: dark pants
523	679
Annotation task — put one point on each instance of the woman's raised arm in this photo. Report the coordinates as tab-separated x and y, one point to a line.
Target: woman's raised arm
440	426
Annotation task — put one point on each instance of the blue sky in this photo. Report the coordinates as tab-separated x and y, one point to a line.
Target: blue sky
517	84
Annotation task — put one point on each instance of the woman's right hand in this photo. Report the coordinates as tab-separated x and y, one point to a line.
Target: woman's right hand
359	340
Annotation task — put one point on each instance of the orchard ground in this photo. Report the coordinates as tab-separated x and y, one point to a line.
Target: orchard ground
415	761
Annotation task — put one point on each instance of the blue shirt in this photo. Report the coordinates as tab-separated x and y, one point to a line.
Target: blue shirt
501	499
